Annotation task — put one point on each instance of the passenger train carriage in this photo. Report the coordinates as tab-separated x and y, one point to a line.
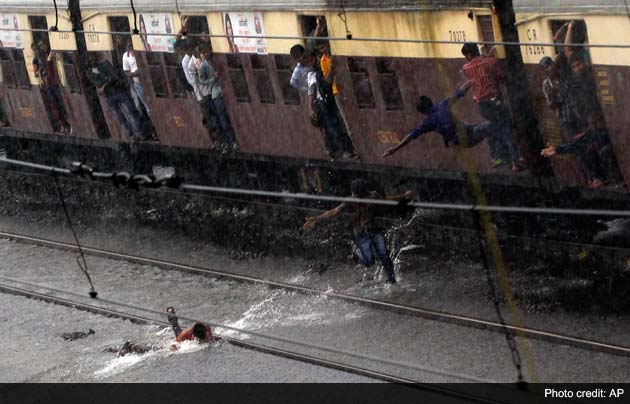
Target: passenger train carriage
380	81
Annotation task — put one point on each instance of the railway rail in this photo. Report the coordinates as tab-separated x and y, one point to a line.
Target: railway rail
581	343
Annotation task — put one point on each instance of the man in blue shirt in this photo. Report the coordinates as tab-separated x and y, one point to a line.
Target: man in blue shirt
440	119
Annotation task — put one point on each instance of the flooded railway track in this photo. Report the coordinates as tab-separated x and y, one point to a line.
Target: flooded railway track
424	313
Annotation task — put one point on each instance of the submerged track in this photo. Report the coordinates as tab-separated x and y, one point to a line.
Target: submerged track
581	343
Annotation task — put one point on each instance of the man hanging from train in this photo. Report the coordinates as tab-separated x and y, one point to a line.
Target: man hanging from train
324	111
213	103
44	68
368	234
439	118
590	139
485	74
130	68
104	76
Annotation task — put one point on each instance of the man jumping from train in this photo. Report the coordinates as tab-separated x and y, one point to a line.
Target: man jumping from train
367	233
439	118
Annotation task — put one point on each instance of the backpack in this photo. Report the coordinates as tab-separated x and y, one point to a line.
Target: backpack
325	89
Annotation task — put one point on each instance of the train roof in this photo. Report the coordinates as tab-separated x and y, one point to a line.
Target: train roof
521	6
245	5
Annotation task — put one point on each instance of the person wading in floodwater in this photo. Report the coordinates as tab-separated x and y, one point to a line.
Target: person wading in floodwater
367	234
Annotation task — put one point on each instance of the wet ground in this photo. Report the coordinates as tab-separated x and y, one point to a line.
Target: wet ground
32	331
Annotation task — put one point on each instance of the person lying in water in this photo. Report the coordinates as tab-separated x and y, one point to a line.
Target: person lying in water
129	347
199	332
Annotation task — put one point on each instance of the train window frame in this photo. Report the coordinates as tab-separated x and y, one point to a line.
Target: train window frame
284	71
172	63
386	76
68	62
555	25
262	78
202	23
157	74
9	77
238	79
359	72
39	22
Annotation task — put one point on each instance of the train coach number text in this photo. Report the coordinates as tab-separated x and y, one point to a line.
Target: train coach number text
459	36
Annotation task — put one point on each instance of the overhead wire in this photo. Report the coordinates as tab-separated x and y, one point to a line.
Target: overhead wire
329	38
338	199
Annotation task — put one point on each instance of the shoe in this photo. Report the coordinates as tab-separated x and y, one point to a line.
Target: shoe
235	147
595	183
349	156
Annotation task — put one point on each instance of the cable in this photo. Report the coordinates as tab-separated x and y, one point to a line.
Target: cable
135	21
84	267
271	337
516	357
140	179
289	37
54	28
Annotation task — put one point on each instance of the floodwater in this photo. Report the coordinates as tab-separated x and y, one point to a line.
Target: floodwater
33	349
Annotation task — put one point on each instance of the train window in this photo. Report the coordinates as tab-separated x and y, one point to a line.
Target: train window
20	68
284	71
172	63
237	77
39	22
8	73
262	79
361	83
580	34
487	31
389	84
119	24
197	24
156	72
70	71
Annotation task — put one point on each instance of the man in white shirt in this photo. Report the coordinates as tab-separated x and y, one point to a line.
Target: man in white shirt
299	79
190	71
130	67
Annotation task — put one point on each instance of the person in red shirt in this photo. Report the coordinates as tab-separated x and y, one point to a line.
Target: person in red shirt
200	332
485	74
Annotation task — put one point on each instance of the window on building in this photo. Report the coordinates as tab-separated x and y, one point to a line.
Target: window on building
172	63
70	71
156	72
284	71
262	78
389	84
237	77
361	83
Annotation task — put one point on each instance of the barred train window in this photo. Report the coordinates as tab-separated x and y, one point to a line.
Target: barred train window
284	71
361	83
8	73
389	84
237	77
262	79
156	71
172	63
70	71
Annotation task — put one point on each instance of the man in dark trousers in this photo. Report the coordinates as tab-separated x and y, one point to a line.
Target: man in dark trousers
108	82
485	74
367	233
440	119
